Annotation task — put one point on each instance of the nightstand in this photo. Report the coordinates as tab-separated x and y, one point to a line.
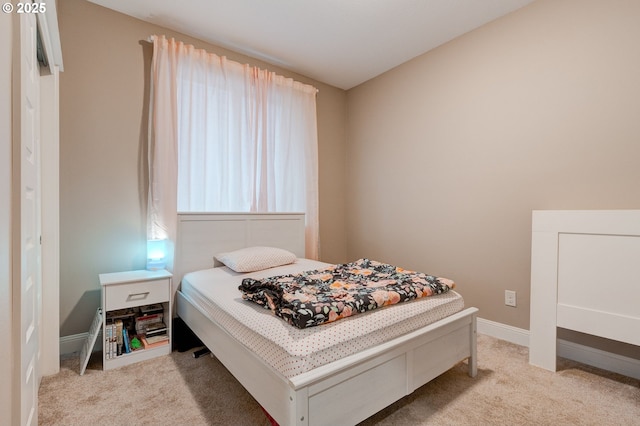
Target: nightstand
140	303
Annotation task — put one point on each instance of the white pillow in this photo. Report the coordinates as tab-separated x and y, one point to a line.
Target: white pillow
252	259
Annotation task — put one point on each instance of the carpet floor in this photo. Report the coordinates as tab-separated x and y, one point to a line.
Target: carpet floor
181	389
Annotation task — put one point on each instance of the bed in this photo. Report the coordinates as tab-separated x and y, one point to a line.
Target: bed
355	385
585	273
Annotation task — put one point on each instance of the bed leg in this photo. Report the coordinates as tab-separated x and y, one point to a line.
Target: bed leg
473	358
198	353
473	366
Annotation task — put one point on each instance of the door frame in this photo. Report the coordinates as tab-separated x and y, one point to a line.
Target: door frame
50	188
6	313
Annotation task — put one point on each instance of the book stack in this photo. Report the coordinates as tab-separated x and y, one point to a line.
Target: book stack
116	332
109	341
150	326
154	341
124	326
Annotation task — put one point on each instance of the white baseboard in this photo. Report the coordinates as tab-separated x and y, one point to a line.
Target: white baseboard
599	358
74	343
584	354
501	331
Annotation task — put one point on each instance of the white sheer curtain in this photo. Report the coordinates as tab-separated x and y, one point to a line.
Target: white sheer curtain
228	137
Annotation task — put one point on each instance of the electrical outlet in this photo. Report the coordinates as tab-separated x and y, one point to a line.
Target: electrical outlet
510	298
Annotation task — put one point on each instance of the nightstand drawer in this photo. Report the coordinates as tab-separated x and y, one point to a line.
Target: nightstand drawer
133	294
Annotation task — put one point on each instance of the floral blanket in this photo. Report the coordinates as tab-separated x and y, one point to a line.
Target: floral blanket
316	297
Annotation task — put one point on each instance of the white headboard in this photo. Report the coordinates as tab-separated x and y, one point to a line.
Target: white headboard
585	276
203	235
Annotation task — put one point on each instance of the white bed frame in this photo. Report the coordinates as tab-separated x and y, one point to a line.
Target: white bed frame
346	391
585	276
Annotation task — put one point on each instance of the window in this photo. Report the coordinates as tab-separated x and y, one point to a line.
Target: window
241	138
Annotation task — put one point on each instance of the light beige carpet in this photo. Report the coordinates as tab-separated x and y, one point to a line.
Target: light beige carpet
180	389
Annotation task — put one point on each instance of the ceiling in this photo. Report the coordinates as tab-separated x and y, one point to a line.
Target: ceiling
338	42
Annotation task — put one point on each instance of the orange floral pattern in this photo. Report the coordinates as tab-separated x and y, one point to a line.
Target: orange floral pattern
316	297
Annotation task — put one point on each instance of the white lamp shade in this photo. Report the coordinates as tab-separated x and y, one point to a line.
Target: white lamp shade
156	254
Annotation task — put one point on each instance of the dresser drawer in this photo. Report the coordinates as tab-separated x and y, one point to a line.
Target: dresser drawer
129	295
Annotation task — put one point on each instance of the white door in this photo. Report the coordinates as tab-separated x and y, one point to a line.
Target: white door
29	241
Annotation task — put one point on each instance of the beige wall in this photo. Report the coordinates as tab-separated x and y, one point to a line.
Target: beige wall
103	178
449	153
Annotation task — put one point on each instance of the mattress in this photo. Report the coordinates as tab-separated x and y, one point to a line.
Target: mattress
293	351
